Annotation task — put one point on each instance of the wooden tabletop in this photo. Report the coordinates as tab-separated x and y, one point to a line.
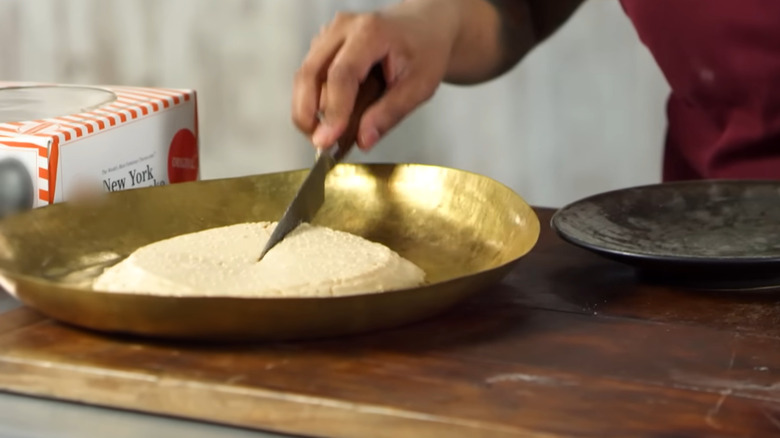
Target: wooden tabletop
568	345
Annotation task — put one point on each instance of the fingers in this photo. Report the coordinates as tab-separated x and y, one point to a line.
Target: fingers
413	59
399	101
363	48
323	98
307	87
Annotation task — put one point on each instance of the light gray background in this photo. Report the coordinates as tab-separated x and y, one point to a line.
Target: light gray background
582	114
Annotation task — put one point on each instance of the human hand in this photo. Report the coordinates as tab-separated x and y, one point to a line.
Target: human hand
412	41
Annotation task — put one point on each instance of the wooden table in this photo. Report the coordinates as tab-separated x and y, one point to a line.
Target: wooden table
568	345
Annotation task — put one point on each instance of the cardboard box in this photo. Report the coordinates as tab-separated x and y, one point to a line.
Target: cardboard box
60	141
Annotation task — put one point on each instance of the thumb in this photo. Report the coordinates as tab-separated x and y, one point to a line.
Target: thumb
403	97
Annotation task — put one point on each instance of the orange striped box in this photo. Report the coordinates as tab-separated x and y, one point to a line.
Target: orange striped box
118	138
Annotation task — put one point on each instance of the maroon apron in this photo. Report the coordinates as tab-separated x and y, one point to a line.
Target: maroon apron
722	61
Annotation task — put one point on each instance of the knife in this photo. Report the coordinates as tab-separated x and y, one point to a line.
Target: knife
311	194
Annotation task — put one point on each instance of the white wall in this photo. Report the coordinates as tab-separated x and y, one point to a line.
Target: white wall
582	114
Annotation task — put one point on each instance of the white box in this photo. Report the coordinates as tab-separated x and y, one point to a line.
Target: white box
60	141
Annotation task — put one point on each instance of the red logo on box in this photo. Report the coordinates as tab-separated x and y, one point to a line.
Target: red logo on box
183	157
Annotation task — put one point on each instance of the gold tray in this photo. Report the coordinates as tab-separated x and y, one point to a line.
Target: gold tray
463	229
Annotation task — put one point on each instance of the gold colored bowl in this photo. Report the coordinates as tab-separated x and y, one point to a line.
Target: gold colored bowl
463	229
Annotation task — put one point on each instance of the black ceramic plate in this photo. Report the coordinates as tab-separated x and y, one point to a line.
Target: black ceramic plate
717	234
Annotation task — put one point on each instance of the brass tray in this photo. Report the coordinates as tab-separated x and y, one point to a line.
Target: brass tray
463	229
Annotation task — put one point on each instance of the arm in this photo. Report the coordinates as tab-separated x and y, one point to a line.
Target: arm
420	43
494	35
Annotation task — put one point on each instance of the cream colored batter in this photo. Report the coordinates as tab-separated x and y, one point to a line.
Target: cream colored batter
311	261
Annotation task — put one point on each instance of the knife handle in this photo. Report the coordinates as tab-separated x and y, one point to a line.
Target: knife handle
369	92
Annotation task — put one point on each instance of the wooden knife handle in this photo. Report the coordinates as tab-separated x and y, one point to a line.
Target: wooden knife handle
369	92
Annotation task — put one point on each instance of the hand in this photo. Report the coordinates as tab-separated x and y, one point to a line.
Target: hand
412	40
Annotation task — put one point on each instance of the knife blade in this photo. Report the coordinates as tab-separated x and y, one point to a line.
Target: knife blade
311	194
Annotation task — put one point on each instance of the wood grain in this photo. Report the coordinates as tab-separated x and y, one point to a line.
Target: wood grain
569	345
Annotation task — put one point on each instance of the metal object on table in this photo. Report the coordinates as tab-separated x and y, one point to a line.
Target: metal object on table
306	203
311	195
464	230
711	235
16	187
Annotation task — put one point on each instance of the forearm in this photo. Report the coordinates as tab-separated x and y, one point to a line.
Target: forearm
492	36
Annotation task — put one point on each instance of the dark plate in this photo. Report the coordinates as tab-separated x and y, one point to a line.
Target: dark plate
714	234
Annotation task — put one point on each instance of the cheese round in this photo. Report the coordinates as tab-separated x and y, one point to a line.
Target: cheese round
312	261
